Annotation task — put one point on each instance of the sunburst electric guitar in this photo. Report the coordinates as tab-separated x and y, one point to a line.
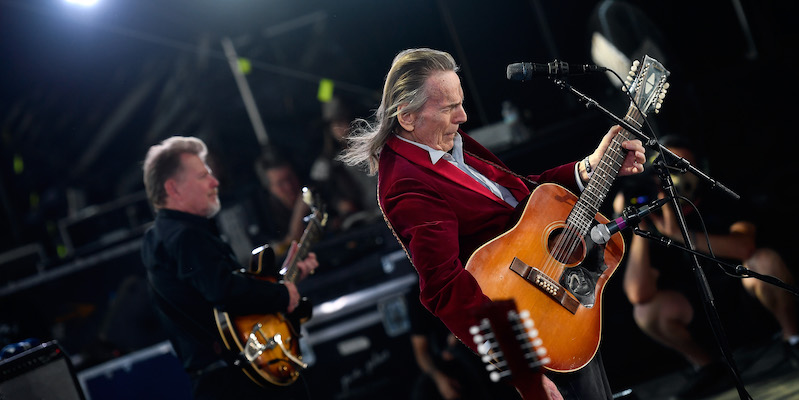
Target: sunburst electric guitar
548	264
509	343
268	346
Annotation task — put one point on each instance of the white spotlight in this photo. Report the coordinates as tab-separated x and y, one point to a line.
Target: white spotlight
85	3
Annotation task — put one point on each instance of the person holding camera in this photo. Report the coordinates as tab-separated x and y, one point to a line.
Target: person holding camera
661	287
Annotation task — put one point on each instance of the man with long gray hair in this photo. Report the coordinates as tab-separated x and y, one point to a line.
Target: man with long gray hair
444	195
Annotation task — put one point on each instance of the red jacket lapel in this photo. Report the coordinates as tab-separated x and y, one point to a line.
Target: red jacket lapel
444	168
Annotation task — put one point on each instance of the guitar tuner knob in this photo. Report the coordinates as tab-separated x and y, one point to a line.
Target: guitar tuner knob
541	351
528	323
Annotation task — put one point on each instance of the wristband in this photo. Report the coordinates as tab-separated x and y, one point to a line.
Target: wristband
588	169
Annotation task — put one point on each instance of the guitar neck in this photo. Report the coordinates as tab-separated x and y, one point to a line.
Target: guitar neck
604	174
312	232
646	91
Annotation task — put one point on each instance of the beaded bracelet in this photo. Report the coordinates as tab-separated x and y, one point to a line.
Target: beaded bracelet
588	169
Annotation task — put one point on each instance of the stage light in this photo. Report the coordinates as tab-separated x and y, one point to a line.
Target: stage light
85	3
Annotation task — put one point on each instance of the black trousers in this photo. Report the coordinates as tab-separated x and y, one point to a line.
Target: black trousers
587	383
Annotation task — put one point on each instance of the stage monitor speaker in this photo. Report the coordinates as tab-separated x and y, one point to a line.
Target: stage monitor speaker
42	372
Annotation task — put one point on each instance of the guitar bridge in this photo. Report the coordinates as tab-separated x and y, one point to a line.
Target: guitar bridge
546	284
254	348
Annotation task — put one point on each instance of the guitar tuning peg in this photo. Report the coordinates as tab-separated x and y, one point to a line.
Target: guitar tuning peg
478	338
495	376
528	323
666	86
541	351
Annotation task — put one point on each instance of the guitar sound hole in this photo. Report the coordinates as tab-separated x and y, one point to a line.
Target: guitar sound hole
566	246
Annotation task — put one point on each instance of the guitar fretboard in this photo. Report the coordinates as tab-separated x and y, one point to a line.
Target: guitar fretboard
310	236
604	174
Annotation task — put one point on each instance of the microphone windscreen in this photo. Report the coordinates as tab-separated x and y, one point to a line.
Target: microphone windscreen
515	72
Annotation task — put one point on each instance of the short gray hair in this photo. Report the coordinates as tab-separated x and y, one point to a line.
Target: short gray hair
404	85
163	163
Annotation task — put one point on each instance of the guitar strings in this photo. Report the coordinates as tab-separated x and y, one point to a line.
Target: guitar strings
568	242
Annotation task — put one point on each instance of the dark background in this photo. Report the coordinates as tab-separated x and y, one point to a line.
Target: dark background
85	92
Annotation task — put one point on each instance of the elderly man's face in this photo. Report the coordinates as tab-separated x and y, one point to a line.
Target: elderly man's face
196	188
437	122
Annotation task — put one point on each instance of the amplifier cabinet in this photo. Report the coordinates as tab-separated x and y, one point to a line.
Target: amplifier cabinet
358	345
42	372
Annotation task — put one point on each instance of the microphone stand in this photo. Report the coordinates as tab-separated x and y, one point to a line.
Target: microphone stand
671	192
738	270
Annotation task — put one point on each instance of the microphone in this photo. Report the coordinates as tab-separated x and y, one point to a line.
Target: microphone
601	233
525	71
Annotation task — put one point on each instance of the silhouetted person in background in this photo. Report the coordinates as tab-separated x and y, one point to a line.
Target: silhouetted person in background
658	281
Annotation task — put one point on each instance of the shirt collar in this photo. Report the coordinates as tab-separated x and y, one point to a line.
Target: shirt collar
435	155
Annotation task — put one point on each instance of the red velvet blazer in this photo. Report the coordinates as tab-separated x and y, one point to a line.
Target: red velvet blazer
441	216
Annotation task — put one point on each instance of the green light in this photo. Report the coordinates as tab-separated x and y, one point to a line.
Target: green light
245	66
61	250
19	165
34	200
325	92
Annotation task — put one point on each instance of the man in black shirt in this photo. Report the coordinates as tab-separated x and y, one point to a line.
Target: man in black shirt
192	271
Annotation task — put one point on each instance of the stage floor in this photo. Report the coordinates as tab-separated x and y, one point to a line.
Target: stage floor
764	370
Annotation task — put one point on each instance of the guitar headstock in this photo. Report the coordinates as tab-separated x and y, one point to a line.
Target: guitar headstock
509	344
318	209
647	84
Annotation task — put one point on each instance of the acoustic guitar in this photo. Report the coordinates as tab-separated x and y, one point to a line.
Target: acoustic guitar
548	264
268	346
511	348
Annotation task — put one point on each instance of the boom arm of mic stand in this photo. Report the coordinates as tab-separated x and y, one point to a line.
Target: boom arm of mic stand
738	271
683	164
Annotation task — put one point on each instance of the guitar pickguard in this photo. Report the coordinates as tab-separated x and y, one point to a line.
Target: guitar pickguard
581	280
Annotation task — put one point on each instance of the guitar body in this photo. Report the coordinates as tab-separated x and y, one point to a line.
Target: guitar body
561	289
271	366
